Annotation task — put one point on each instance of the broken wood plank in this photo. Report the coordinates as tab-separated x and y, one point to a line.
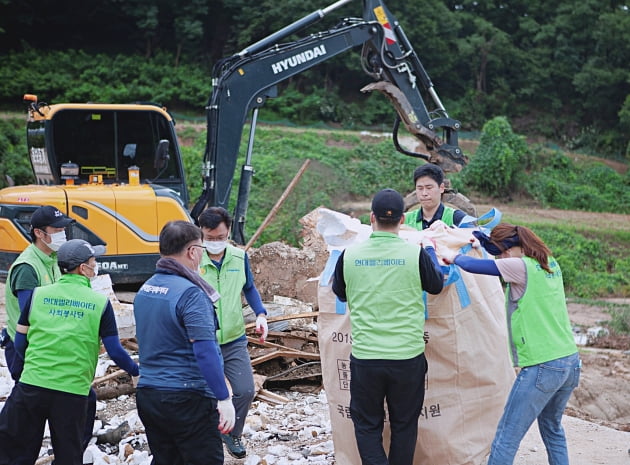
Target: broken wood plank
114	374
114	390
293	335
271	398
270	344
286	354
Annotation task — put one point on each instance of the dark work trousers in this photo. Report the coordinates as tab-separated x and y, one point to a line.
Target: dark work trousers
15	364
401	384
237	367
181	427
22	422
90	416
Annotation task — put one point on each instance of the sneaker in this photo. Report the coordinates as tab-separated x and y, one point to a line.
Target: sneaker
234	446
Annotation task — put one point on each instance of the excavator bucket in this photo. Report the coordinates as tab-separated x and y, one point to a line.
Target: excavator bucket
448	157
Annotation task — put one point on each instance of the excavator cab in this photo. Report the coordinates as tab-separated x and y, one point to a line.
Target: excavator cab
115	169
105	140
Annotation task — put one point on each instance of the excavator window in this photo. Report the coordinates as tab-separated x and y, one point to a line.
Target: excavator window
108	142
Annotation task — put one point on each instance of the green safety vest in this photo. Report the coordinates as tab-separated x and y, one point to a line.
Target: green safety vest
411	218
47	271
384	293
538	322
229	282
63	336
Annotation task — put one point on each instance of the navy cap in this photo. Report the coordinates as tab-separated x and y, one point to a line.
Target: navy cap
76	251
49	216
388	204
491	247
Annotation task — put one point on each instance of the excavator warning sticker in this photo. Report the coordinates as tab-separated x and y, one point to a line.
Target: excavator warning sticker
379	12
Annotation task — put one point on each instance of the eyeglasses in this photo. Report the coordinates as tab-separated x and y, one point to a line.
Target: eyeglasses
196	245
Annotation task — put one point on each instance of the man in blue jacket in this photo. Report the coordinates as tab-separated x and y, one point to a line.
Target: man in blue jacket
182	397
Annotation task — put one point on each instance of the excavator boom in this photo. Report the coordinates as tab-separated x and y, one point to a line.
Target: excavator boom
243	82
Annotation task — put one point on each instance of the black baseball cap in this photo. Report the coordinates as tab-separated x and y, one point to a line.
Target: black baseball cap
388	204
76	251
49	216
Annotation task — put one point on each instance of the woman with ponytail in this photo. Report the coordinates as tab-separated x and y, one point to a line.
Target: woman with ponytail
540	336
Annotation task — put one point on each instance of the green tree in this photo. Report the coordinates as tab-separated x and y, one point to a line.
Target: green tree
14	161
498	160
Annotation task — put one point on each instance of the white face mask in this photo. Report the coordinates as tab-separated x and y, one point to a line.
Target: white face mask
215	247
94	269
56	240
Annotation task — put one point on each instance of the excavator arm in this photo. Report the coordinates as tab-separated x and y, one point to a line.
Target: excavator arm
243	82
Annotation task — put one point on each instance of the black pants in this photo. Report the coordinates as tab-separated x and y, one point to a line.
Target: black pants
181	427
22	422
15	364
401	384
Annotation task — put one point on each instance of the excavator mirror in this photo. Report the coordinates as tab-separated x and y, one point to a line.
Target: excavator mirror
161	154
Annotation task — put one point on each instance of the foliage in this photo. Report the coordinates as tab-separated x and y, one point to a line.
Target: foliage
558	181
498	160
75	76
595	264
620	319
341	168
557	69
14	161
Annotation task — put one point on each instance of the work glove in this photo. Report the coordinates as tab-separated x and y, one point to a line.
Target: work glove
261	326
427	242
448	256
227	415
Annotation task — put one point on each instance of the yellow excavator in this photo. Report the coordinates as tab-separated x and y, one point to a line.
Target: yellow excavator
117	169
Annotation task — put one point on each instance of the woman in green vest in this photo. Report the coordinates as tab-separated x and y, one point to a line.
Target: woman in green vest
540	336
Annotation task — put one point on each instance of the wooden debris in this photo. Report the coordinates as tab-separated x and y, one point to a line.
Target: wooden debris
271	398
114	390
112	375
286	354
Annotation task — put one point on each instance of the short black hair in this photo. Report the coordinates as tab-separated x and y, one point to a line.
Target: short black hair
430	170
176	235
213	217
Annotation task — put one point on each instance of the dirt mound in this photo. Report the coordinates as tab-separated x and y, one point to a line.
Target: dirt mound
283	270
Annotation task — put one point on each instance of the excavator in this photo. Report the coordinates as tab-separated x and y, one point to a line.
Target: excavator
116	169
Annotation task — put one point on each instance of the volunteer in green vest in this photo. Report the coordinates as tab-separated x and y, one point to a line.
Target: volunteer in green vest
35	266
540	335
429	184
58	336
382	280
226	268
